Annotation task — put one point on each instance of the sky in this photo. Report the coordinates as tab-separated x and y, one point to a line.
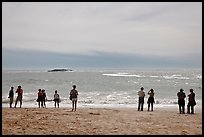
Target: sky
101	34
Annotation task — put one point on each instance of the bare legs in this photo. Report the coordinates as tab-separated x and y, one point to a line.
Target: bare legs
18	99
74	104
56	102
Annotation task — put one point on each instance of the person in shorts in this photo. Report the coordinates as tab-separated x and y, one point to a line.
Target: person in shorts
40	98
19	91
56	98
73	95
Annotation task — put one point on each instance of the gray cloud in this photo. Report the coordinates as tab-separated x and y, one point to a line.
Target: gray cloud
166	29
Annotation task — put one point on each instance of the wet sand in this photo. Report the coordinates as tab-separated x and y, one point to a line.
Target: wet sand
99	121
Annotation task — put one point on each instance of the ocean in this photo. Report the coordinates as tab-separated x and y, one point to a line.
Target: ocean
104	88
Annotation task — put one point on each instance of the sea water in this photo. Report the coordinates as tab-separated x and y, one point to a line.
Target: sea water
103	88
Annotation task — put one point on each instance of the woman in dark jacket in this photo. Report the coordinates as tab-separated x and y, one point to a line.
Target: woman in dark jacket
191	102
150	99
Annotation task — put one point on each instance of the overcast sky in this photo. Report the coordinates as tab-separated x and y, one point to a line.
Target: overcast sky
165	29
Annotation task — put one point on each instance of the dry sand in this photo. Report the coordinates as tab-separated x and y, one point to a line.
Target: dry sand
99	121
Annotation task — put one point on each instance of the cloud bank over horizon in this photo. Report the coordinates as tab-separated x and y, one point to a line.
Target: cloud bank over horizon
13	59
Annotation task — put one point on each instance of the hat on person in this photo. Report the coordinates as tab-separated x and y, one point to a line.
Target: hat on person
181	89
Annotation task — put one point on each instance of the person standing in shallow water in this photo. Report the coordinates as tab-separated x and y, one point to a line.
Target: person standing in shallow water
150	99
56	98
44	98
74	94
141	95
181	101
191	102
11	94
20	96
40	98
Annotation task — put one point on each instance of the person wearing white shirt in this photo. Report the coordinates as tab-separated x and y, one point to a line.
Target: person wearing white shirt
141	95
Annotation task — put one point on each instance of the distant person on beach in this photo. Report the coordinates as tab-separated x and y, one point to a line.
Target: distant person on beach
40	98
73	95
181	101
56	98
20	96
191	102
11	95
141	95
150	99
44	98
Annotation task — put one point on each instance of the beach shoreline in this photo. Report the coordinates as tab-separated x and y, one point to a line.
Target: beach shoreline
99	121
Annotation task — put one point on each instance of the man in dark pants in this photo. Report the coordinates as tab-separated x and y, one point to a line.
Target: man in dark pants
11	94
141	95
181	101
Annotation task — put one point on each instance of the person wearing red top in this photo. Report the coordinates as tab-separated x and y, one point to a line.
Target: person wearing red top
20	96
40	98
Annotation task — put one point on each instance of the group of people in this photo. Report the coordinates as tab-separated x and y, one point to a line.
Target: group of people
19	91
74	94
150	100
181	100
191	102
42	97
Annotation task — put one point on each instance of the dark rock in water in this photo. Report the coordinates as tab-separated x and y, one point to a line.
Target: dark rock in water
55	70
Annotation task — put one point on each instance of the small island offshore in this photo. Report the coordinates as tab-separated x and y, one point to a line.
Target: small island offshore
59	70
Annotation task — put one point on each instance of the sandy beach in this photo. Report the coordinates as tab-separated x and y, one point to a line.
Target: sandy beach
99	121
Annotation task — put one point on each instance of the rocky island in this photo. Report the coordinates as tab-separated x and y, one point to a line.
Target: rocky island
56	70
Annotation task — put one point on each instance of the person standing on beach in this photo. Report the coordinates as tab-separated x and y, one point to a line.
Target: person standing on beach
181	101
150	99
40	98
20	96
141	95
191	102
56	98
73	94
44	98
11	94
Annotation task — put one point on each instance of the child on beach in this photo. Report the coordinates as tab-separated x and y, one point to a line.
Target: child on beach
56	98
